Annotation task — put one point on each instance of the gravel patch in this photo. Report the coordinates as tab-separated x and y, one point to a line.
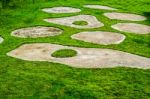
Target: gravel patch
99	37
68	21
34	32
132	28
85	58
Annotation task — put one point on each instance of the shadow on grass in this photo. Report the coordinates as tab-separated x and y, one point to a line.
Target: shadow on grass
147	14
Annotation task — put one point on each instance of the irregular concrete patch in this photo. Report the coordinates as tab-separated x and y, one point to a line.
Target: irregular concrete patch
68	21
101	7
100	37
1	39
124	16
132	28
86	57
61	10
34	32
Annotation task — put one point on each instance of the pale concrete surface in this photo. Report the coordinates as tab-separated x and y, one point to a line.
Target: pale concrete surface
34	32
68	21
86	57
99	37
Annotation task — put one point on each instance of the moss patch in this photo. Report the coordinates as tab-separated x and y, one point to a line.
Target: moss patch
64	53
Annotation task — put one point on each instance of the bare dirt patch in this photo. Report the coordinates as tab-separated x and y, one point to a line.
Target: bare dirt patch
99	37
34	32
124	16
85	58
68	21
101	7
132	28
61	10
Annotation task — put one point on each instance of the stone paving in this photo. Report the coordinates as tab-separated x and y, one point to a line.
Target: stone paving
86	57
99	37
124	16
61	10
100	7
34	32
132	28
68	21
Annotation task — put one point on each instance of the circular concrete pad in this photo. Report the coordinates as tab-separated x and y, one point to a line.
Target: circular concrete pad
1	39
68	21
34	32
101	7
132	28
100	37
61	10
85	58
124	16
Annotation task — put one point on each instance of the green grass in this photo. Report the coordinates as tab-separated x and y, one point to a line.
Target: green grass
62	53
22	79
80	23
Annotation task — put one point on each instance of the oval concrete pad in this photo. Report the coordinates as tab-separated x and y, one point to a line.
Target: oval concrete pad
132	28
1	39
34	32
101	7
61	10
86	57
124	16
68	21
99	37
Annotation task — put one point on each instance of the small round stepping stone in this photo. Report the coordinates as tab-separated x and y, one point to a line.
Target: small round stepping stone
101	7
100	37
124	16
132	28
92	21
1	39
85	57
34	32
61	10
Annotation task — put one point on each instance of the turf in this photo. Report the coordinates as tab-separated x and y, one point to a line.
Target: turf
62	53
80	23
21	79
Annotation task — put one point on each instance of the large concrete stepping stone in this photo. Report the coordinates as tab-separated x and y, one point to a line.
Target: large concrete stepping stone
99	37
101	7
61	10
1	39
85	58
34	32
92	21
124	16
132	28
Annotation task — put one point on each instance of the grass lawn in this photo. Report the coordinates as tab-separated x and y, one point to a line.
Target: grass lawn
62	53
21	79
82	23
